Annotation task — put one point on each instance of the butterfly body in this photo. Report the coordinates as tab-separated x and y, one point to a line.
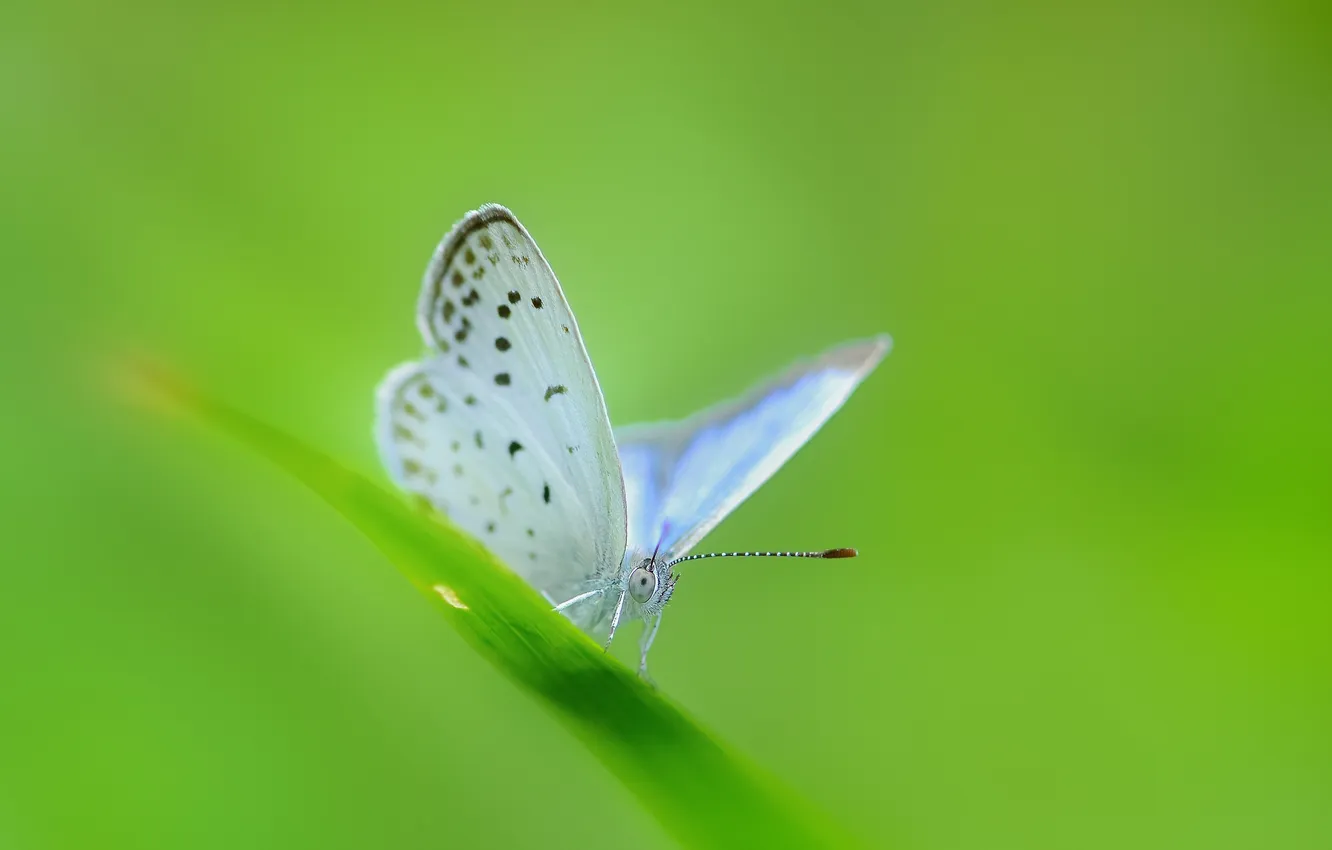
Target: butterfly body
502	427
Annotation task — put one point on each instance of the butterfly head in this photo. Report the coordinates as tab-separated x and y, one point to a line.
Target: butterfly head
650	586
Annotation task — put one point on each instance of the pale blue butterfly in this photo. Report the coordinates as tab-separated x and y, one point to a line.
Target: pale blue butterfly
502	427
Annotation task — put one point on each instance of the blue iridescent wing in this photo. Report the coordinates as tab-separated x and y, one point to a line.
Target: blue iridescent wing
684	477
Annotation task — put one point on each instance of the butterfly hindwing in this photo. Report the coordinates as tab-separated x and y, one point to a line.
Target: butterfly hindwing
503	425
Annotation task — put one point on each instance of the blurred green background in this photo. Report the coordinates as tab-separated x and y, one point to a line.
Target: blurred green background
1092	486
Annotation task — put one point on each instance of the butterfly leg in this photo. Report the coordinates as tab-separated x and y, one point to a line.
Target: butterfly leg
615	621
649	635
568	602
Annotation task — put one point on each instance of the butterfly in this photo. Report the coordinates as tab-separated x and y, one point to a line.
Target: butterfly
502	428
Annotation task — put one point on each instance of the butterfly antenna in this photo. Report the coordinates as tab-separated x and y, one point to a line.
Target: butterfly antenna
826	553
665	529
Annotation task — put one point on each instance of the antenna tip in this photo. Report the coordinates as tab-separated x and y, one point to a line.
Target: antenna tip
840	553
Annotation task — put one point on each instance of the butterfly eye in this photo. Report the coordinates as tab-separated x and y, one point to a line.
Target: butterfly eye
642	584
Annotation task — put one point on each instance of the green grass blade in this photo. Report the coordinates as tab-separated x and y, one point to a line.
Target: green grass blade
702	793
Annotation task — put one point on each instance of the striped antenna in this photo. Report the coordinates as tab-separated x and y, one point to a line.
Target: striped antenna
826	553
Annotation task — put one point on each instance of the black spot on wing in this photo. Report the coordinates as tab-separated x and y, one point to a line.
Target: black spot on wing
457	278
462	362
545	494
502	379
477	437
504	311
536	302
502	344
469	400
471	297
413	469
449	308
558	389
514	448
469	257
514	297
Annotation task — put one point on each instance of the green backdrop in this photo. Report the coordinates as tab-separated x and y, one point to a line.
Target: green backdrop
1092	486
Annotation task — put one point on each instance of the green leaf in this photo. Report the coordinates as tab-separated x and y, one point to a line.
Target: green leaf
702	792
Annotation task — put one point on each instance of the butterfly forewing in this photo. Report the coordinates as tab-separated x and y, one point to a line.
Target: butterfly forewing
682	478
503	425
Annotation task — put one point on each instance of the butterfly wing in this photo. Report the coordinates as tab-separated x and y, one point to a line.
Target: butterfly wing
682	478
502	426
